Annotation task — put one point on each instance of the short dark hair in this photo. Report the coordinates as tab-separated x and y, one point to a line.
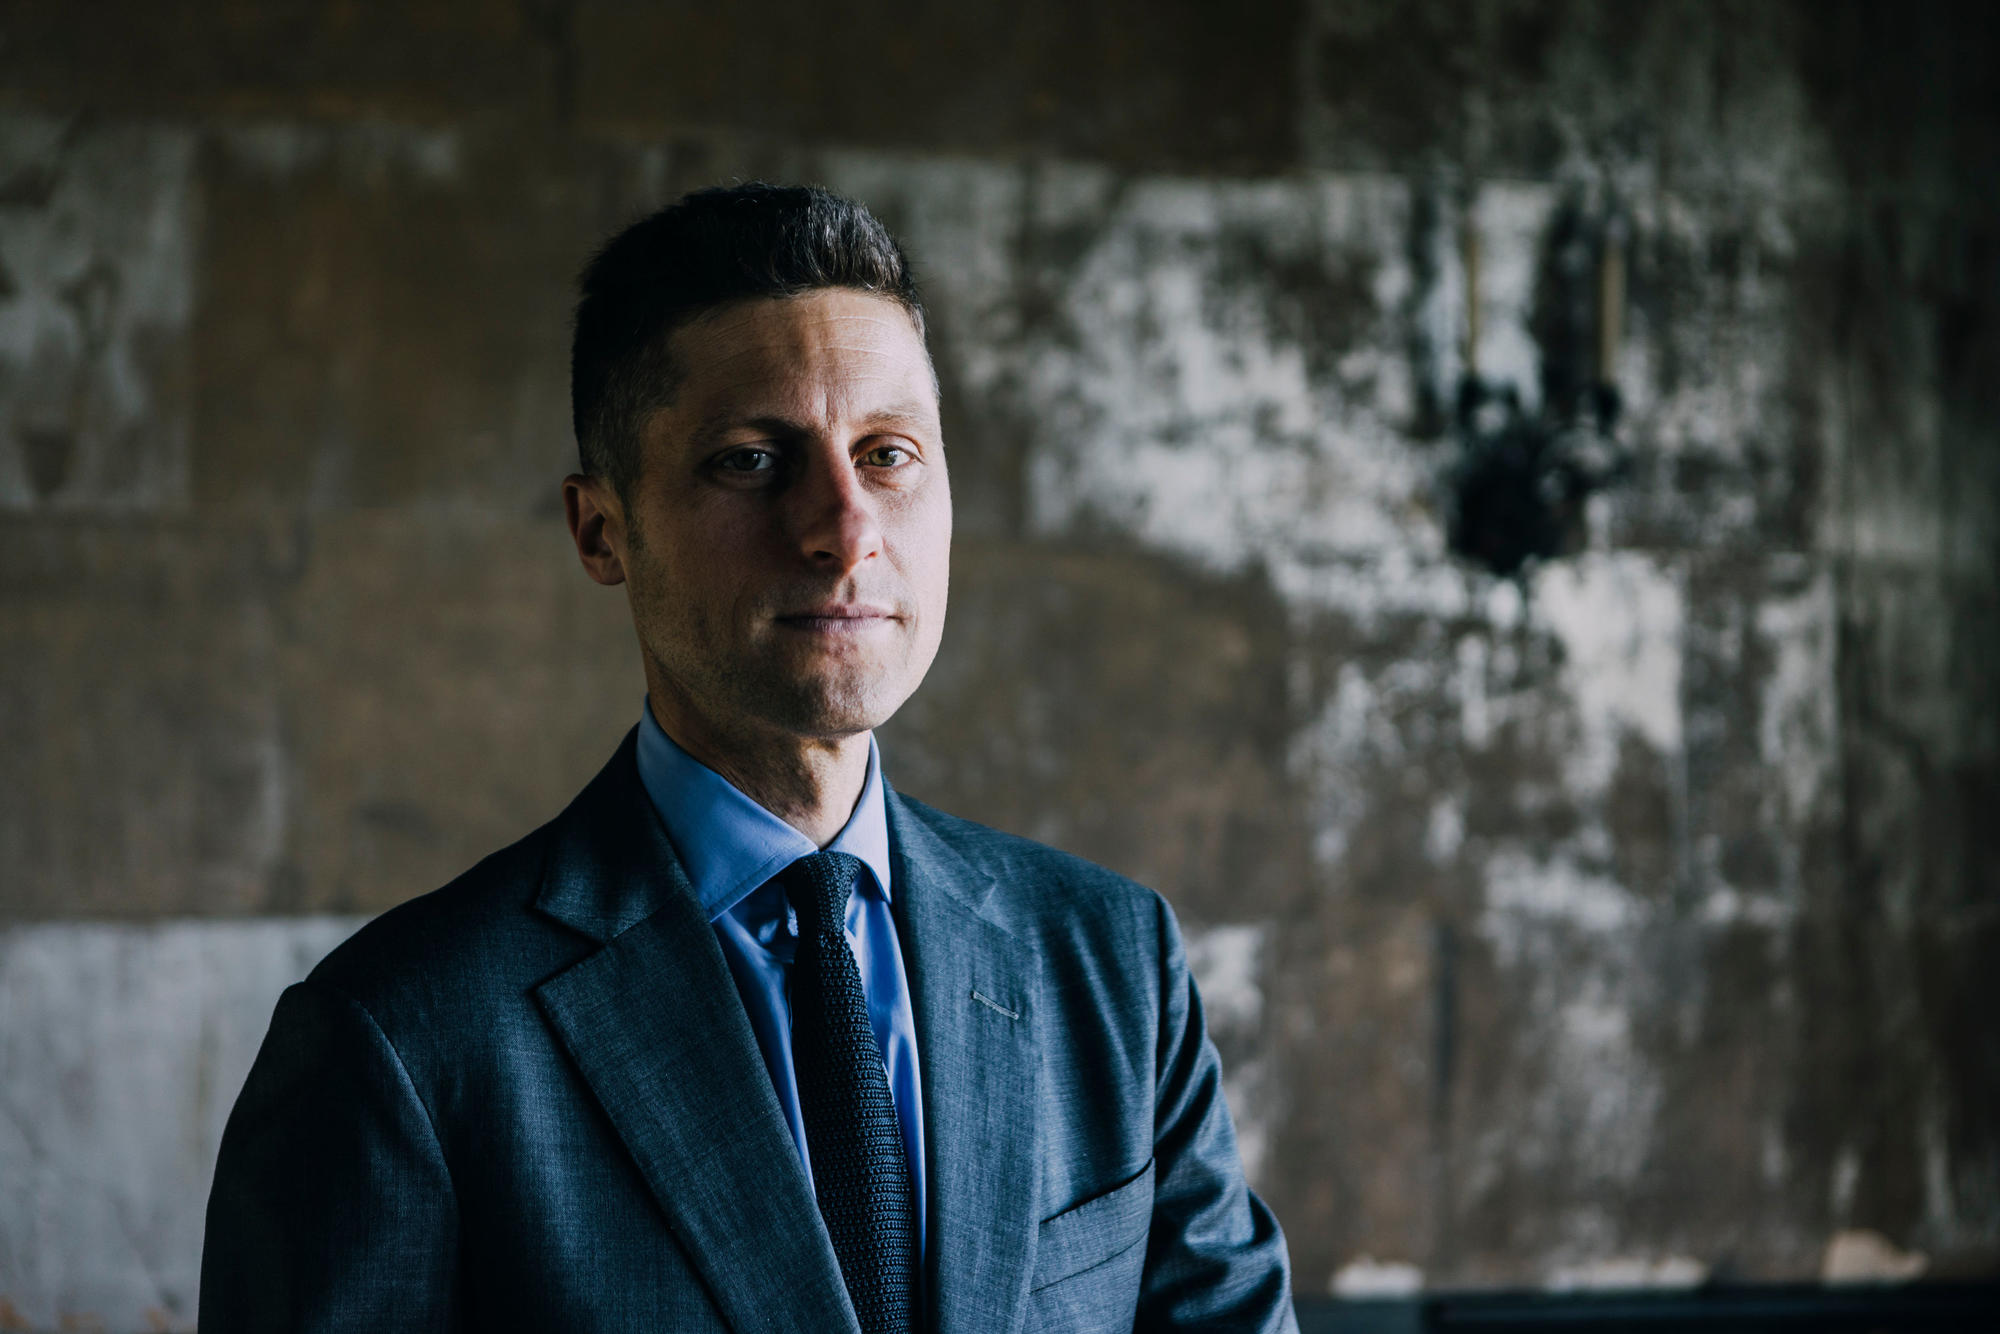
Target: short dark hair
711	248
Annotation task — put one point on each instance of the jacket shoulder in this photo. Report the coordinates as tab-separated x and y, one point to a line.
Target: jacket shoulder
453	940
1037	886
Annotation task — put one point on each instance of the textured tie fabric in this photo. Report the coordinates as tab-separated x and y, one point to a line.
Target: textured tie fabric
853	1139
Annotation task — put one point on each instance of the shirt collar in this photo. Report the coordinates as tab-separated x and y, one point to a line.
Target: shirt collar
728	844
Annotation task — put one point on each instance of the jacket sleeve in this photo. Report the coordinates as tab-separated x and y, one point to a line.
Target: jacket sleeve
332	1207
1215	1258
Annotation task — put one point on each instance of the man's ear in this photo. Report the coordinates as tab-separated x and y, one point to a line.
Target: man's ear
597	525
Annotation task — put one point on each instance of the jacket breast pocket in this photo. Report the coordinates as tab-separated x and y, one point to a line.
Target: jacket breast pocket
1088	1259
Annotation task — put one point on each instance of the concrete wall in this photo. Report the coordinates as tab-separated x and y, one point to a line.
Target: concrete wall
1631	917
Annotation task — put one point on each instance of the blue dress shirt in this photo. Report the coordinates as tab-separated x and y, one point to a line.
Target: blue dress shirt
731	848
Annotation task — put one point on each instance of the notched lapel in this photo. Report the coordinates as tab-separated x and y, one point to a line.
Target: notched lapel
610	862
972	981
656	1029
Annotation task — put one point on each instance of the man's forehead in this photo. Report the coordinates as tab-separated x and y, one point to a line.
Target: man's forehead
847	354
814	327
819	304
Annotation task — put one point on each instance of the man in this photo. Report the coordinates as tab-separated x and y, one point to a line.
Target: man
744	1039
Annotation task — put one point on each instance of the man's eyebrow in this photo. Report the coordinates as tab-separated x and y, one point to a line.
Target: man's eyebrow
712	429
907	412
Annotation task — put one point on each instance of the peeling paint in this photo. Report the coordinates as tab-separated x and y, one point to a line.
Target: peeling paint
1509	219
1228	963
1859	1255
1444	833
1798	730
1603	1097
1619	619
98	235
1629	1272
1184	408
1525	896
1364	1277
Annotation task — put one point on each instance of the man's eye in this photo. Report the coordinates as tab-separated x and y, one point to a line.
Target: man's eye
886	456
747	461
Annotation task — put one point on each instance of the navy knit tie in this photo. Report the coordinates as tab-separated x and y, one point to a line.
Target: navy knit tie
859	1169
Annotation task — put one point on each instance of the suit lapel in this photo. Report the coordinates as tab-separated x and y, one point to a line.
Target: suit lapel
654	1024
971	981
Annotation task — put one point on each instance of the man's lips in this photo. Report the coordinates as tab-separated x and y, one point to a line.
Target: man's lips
843	618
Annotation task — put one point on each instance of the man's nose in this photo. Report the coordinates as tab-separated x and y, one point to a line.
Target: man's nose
833	513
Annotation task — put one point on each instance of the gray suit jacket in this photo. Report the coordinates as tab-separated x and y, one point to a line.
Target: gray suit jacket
532	1100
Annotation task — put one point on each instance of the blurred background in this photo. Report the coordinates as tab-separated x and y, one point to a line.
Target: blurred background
1492	508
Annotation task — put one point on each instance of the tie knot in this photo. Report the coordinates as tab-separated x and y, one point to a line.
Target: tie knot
817	887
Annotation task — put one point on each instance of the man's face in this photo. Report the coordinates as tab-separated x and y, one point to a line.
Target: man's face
789	535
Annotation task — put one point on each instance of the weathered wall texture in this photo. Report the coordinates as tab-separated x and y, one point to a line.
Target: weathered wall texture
1636	915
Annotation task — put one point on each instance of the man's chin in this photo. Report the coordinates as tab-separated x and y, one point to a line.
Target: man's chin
831	710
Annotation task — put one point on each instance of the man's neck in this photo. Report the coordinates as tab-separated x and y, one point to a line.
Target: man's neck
810	783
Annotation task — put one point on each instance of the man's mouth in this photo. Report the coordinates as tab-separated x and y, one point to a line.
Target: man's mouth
839	618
